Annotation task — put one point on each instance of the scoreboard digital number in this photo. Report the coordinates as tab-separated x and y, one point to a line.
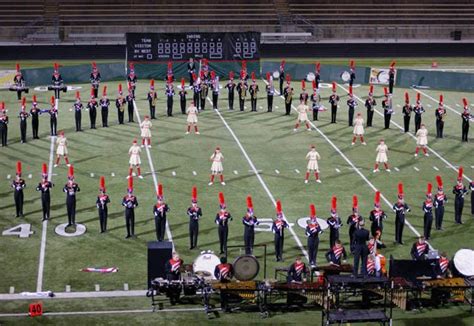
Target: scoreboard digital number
182	46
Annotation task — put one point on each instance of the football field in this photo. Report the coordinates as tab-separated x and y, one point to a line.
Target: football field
264	158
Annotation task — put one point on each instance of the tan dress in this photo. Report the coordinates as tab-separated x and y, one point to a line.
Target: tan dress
217	159
422	137
145	126
302	112
359	126
192	112
62	146
313	158
134	153
382	151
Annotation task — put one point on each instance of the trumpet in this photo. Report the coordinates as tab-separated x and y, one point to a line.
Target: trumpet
289	96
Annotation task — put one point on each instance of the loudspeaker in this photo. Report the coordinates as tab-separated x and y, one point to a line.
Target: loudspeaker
158	254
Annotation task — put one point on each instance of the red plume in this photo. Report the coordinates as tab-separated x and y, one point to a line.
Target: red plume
170	65
464	102
283	62
303	84
371	89
18	167
56	66
213	74
418	97
407	98
352	64
244	65
182	83
439	181
334	87
385	91
120	88
249	202
288	77
441	98
333	203
170	79
400	188
2	106
160	190
44	169
355	201
221	198
34	99
278	207
92	92
314	84
194	193
392	65
132	66
152	83
429	188
460	173
253	76
231	75
377	197
23	101
312	210
318	67
268	76
104	91
94	65
71	171
53	100
17	67
102	183
78	95
130	184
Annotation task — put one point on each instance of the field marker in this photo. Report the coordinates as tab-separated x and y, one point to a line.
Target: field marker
412	136
12	290
436	168
92	175
236	172
153	173
68	288
277	172
397	169
260	179
276	107
297	171
97	288
112	174
339	171
416	169
194	173
39	281
125	286
260	107
371	185
173	173
472	166
30	176
9	176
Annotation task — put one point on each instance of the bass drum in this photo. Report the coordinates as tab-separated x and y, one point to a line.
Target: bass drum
205	264
463	262
246	268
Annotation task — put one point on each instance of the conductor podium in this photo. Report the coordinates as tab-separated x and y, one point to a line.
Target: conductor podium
158	254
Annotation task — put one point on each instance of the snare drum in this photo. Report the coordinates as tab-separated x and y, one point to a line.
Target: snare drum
205	264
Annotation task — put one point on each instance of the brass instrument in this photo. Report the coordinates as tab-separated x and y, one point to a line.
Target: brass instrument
121	104
289	97
153	98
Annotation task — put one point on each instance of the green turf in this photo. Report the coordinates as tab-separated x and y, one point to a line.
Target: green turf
270	144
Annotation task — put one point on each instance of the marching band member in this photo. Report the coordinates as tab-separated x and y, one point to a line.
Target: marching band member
298	271
34	113
288	94
191	71
169	96
401	209
204	89
95	80
242	91
57	81
132	80
302	116
304	95
352	73
215	89
352	104
230	87
192	119
134	161
253	93
387	106
313	230
3	124
78	111
428	212
466	118
172	268
377	215
129	201
194	213
53	117
419	249
92	107
104	103
353	221
419	110
45	187
152	97
19	82
358	129
334	255
216	167
371	266
278	229
270	88
316	102
197	92
120	105
23	120
249	221
313	157
370	104
160	209
375	243
382	151
145	128
182	97
334	100
130	99
422	140
406	111
440	114
317	75
18	185
443	266
361	250
71	189
61	149
471	188
282	75
459	191
440	200
222	220
391	77
169	72
334	222
102	201
224	273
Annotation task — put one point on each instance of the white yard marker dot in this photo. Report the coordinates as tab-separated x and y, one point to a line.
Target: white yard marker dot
125	286
436	168
245	107
416	169
429	105
134	174
297	171
397	169
9	176
277	172
112	174
276	107
173	174
12	290
92	175
30	176
472	166
236	172
97	288
194	173
68	288
338	171
260	107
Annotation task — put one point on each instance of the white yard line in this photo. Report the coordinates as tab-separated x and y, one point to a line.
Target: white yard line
412	136
44	233
260	179
371	185
153	173
436	101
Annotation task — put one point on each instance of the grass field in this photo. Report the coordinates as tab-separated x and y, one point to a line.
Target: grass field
264	139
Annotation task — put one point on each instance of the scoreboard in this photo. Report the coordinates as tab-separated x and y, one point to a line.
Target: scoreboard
182	46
